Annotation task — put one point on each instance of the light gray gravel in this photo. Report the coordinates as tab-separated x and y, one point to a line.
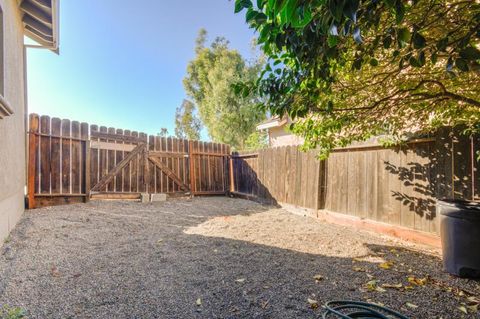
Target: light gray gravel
212	257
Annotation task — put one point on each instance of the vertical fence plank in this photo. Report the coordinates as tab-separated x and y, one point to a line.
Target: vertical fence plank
44	155
119	155
111	156
142	166
127	176
86	160
152	188
32	159
55	163
66	159
134	170
76	160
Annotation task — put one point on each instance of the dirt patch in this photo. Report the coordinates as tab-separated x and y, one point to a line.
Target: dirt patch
212	258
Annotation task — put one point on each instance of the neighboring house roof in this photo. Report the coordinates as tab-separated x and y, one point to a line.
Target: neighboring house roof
274	121
40	20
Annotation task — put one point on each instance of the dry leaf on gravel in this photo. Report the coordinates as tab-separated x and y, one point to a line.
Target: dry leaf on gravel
371	285
395	286
411	305
313	303
318	278
417	281
198	302
240	280
386	265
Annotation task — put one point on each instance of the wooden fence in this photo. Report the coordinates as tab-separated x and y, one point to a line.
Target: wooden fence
279	175
398	186
71	161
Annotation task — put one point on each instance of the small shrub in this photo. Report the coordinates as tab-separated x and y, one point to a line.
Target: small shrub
7	312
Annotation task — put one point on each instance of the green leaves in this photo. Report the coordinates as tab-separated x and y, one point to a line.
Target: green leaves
403	37
418	41
461	64
350	9
242	4
470	53
317	46
357	36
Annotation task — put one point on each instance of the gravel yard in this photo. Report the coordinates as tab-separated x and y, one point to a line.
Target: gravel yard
213	257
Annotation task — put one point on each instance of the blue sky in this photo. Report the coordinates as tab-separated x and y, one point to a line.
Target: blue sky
121	62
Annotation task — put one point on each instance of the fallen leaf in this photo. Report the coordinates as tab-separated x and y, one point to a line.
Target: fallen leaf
417	281
199	302
396	286
379	289
386	265
318	278
313	303
371	285
375	302
411	305
473	308
463	309
359	269
240	280
473	299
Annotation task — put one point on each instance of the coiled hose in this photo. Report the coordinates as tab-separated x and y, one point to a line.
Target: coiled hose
358	309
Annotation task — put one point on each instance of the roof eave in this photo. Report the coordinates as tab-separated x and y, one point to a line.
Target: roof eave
41	22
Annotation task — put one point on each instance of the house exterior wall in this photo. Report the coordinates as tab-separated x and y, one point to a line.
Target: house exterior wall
12	128
278	136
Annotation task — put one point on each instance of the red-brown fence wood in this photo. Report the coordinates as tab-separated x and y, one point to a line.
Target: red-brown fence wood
397	186
69	161
283	175
56	166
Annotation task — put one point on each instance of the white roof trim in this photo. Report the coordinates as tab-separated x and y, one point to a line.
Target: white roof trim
41	22
270	124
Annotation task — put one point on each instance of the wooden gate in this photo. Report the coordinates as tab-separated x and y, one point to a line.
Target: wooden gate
72	162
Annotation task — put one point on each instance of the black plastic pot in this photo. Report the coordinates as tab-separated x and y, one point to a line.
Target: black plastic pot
460	235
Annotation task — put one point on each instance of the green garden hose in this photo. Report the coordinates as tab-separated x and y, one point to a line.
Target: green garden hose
358	310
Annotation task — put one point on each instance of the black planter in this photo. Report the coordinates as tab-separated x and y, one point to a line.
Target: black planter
460	235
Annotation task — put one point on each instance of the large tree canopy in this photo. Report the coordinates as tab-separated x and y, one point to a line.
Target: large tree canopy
229	119
347	70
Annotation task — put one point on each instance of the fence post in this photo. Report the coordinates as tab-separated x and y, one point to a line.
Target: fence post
32	147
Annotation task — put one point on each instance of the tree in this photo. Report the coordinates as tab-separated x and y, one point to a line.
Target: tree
210	75
346	70
163	132
187	124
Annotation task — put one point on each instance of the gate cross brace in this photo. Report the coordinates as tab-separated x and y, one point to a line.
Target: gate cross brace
168	172
108	178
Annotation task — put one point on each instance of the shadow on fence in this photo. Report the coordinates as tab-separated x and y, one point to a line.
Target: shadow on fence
397	186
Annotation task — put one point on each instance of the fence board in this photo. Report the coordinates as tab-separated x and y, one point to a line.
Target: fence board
45	155
76	146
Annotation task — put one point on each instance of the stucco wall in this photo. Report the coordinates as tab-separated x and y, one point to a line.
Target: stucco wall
280	137
12	128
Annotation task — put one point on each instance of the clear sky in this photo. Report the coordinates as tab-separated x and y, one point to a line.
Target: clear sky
121	62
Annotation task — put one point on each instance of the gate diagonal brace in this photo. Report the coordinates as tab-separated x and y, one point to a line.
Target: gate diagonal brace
108	178
169	173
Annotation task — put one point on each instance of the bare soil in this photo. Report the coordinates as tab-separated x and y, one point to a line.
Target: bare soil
213	257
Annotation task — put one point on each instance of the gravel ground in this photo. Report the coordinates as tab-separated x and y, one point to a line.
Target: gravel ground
213	257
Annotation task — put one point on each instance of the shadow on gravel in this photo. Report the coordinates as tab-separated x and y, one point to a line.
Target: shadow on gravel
94	261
